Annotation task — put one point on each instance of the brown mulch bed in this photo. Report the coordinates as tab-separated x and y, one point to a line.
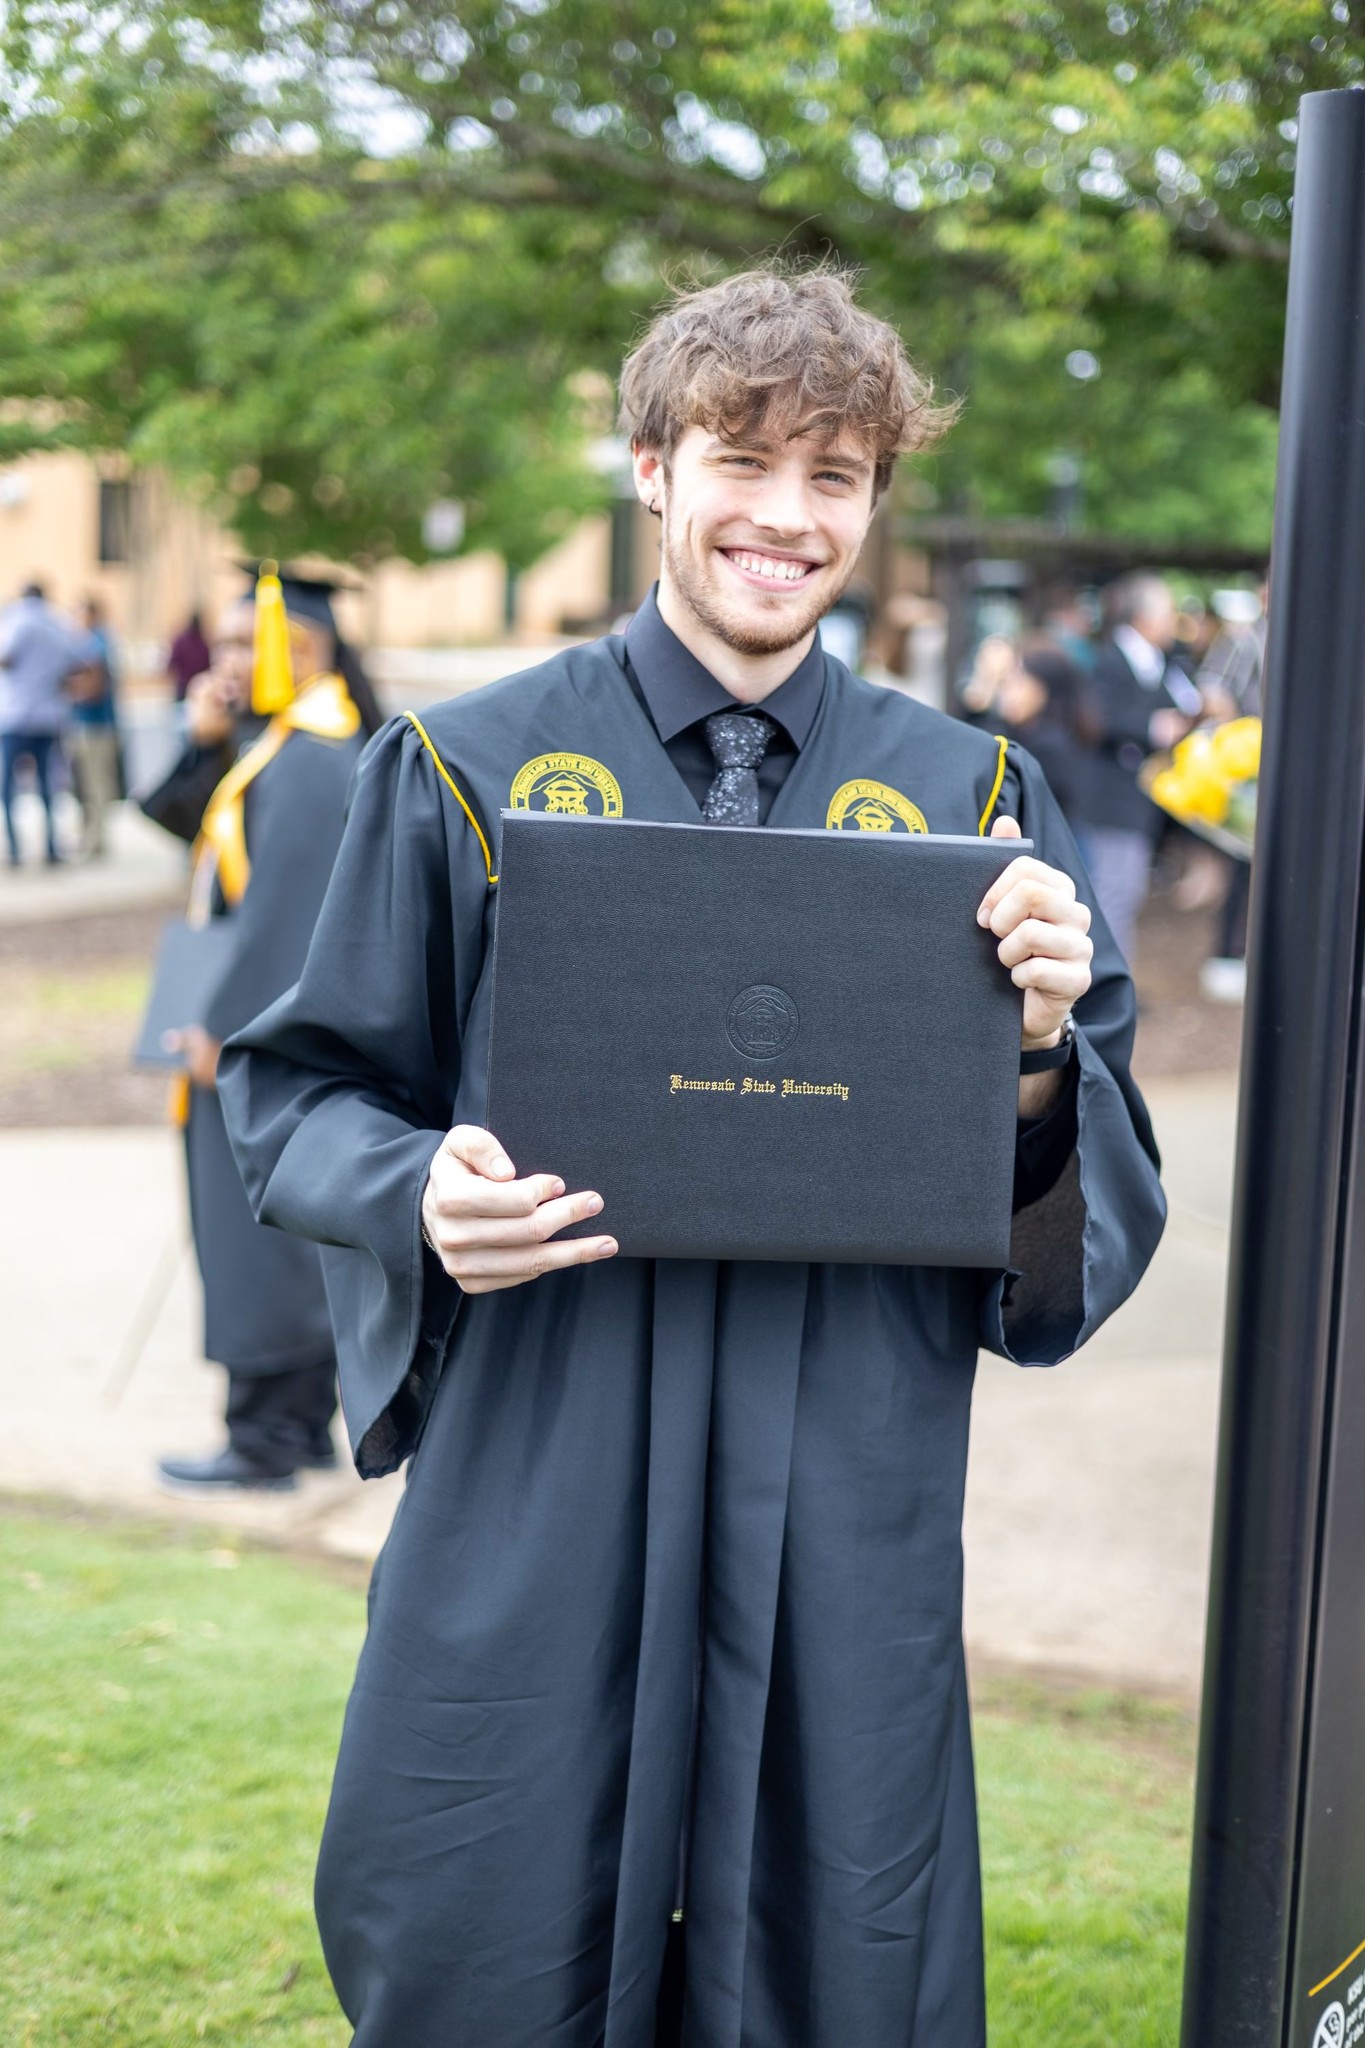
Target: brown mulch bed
74	989
73	994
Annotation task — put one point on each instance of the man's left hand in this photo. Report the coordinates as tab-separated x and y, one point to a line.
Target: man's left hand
1044	939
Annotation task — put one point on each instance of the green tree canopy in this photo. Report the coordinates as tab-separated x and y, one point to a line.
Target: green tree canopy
332	261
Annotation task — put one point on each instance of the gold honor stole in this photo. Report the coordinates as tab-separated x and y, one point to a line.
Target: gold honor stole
323	709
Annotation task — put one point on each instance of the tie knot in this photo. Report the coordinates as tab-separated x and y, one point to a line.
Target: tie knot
738	739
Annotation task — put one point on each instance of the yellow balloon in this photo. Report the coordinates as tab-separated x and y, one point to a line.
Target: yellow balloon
1237	748
1193	786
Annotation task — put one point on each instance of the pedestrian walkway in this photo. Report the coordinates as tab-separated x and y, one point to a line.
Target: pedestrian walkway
1090	1494
1090	1490
143	865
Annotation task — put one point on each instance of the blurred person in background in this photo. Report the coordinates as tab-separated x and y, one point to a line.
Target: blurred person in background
219	723
1198	870
1142	701
1196	628
188	656
1230	682
1230	674
995	659
291	729
845	628
907	645
1068	623
93	738
38	652
1041	703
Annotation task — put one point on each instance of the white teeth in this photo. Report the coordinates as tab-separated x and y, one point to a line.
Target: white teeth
772	567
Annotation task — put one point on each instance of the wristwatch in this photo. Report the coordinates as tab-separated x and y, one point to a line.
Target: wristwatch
1051	1057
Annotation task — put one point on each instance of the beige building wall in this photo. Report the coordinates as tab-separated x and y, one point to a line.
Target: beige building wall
572	581
178	559
181	560
48	514
445	604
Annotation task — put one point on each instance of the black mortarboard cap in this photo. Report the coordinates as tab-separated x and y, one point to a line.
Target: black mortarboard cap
305	597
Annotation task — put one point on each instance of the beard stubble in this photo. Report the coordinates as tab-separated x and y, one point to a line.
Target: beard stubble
784	632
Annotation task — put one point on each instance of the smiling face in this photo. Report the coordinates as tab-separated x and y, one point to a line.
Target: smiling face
760	535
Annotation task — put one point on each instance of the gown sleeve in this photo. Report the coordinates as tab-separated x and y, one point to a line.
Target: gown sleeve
339	1095
1080	1247
179	801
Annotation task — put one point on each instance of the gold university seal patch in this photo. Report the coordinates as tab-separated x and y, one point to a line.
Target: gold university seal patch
571	785
872	807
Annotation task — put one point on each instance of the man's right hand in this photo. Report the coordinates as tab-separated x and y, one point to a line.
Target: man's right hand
488	1228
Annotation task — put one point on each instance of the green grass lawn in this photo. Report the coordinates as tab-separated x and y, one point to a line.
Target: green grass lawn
169	1710
1086	1801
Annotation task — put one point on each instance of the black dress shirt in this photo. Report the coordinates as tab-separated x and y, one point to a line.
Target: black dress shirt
680	694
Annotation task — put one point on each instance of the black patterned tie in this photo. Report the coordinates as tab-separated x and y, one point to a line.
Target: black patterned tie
738	741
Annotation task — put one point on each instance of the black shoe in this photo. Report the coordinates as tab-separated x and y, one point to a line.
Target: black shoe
229	1472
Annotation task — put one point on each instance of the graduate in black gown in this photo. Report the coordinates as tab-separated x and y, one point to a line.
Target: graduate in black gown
660	1732
261	791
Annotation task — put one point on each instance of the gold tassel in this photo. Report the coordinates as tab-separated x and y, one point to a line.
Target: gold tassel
272	676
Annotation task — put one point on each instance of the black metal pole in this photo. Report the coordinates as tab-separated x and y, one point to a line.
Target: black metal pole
1286	1339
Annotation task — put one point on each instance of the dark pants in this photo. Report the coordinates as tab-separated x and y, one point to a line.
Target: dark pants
1232	918
277	1418
38	748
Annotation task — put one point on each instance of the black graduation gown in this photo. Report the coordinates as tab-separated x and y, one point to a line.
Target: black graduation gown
670	1615
179	801
265	1302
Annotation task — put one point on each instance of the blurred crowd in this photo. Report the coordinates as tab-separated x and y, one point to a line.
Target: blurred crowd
1100	693
59	714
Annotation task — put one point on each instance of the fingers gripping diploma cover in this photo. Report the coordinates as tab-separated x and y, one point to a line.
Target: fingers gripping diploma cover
758	1045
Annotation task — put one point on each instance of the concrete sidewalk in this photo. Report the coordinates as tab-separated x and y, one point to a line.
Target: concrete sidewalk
1090	1488
143	865
1090	1493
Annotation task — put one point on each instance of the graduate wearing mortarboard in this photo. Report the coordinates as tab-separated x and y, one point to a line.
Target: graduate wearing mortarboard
262	793
660	1730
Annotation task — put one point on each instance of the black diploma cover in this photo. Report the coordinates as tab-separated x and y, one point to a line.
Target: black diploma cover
189	965
758	1044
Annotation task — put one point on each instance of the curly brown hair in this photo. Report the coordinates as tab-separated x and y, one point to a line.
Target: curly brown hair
774	350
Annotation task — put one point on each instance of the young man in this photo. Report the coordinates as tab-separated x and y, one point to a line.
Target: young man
660	1733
